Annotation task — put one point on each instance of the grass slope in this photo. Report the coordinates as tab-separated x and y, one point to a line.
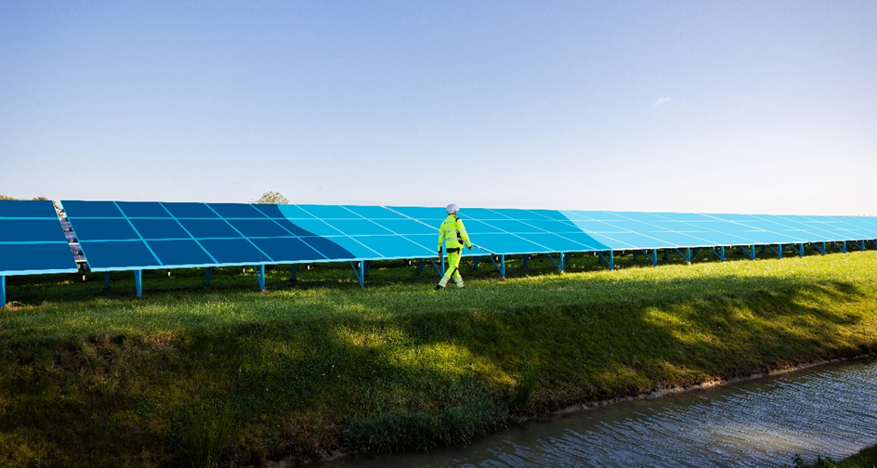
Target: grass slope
101	379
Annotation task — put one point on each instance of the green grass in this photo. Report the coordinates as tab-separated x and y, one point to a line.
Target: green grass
866	458
93	377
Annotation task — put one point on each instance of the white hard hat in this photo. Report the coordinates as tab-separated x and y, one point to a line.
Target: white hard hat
452	208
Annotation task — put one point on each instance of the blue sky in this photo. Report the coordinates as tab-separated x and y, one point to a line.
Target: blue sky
744	106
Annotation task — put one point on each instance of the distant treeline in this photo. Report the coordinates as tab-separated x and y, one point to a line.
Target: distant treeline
6	197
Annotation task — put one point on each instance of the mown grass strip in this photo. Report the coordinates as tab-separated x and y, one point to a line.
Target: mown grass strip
99	378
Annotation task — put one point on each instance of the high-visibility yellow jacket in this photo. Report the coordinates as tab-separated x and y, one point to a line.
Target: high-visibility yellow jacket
454	233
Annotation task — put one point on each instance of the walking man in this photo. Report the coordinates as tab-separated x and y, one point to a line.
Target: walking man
453	234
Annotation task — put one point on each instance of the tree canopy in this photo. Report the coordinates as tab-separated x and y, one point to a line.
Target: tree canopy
272	198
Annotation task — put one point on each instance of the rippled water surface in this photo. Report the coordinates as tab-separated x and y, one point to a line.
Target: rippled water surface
829	410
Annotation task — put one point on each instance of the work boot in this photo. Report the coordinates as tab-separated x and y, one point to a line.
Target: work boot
438	287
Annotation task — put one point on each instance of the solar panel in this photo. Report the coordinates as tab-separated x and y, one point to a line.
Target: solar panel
509	231
32	240
152	235
143	235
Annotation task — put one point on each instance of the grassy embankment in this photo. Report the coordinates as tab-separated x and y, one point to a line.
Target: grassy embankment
101	379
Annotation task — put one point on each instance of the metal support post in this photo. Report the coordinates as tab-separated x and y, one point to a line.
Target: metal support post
820	249
567	259
420	263
859	244
365	266
437	269
293	272
762	249
685	256
2	292
749	254
260	275
209	272
842	248
778	250
666	254
799	250
500	266
719	252
611	261
106	280
875	243
475	262
138	280
635	253
360	273
524	260
559	263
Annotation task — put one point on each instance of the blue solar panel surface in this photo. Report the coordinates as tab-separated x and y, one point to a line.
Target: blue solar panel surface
32	240
516	231
151	235
134	235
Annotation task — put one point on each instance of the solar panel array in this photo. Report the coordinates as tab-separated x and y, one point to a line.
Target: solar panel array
151	235
144	235
637	230
115	235
31	239
517	231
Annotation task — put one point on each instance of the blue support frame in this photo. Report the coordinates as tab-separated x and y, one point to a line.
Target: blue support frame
778	250
500	266
749	254
293	272
651	256
799	250
719	252
2	292
611	261
687	255
209	272
420	264
525	259
820	249
138	280
875	243
559	264
361	271
859	244
437	269
106	280
260	275
842	249
475	262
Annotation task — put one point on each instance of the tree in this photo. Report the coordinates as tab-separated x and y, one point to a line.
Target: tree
57	206
272	198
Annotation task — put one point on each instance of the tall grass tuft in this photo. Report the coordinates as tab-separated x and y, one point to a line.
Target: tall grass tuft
521	394
206	434
403	430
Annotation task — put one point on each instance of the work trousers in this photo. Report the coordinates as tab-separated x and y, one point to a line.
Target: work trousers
453	270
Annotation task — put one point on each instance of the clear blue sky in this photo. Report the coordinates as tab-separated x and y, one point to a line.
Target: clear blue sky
743	106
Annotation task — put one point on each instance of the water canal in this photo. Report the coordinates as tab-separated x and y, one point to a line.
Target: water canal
826	410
